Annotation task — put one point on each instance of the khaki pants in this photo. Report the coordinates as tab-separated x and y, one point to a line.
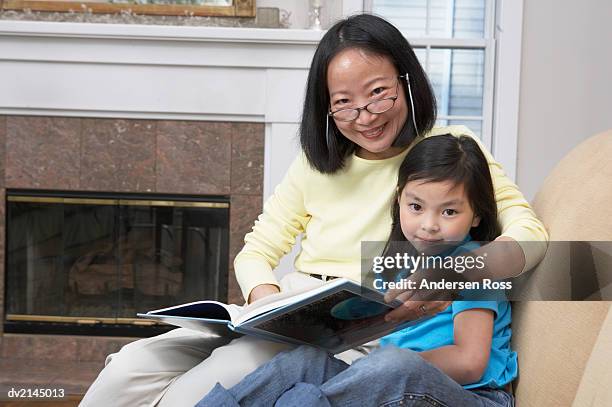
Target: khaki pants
181	366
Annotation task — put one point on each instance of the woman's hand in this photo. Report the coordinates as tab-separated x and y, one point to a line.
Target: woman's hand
262	290
412	309
419	303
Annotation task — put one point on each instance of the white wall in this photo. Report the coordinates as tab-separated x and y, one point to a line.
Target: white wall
566	82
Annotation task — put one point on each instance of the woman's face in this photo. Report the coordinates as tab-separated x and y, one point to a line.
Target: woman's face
356	78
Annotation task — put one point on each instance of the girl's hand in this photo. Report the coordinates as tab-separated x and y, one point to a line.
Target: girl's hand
262	290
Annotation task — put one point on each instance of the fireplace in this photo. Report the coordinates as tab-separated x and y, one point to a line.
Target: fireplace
169	124
86	263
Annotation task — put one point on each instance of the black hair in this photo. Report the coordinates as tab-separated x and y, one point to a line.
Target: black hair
375	35
456	159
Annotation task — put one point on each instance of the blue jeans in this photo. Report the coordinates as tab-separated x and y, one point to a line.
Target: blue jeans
389	376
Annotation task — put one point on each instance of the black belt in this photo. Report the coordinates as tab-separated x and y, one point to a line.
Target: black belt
322	277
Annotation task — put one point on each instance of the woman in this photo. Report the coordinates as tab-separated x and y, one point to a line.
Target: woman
367	102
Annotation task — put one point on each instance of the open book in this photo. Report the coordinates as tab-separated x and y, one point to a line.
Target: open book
335	316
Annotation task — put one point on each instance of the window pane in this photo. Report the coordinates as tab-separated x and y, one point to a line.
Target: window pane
457	76
421	54
474	125
409	16
447	18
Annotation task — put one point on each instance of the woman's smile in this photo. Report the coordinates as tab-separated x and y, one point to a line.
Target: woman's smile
374	132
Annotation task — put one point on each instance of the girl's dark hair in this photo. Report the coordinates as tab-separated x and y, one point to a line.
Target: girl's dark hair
377	36
456	159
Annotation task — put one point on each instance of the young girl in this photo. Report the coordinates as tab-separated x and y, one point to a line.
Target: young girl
459	357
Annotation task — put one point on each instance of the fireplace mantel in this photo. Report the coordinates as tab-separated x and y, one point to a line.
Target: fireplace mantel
166	72
160	32
161	72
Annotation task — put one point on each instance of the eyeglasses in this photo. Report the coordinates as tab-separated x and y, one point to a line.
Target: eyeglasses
375	107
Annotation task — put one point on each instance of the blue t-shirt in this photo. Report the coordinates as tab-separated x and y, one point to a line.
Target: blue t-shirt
438	330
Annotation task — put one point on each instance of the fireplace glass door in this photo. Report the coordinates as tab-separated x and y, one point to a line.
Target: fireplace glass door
97	261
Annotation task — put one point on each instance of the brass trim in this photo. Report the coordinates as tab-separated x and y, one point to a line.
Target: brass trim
58	318
145	322
127	202
90	201
80	320
49	199
88	321
179	204
137	321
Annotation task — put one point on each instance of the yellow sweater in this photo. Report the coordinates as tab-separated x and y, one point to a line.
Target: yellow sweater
336	212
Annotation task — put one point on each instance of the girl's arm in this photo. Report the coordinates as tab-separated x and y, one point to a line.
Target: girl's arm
466	360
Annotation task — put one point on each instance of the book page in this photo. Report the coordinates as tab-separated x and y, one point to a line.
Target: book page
281	299
207	309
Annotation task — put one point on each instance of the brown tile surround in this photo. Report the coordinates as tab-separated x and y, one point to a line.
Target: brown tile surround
42	152
2	211
244	209
2	176
67	362
2	148
247	161
115	155
194	157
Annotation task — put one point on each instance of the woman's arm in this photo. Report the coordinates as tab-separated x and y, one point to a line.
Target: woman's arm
262	290
466	360
284	217
521	229
524	238
504	256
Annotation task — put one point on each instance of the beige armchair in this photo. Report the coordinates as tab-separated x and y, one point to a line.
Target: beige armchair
565	347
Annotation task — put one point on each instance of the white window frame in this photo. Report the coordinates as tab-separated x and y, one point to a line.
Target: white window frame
502	47
506	102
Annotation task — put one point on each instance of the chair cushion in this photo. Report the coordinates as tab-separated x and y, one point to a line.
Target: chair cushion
554	340
574	202
595	389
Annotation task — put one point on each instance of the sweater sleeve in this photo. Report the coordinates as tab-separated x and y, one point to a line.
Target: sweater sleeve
275	231
517	219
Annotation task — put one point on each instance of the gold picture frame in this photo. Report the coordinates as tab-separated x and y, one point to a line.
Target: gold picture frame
238	8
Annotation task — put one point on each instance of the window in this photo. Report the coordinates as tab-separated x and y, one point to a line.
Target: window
453	39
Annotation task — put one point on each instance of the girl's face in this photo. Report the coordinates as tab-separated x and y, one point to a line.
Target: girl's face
356	78
435	215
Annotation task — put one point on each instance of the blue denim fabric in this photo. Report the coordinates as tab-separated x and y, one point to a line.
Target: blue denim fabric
389	376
